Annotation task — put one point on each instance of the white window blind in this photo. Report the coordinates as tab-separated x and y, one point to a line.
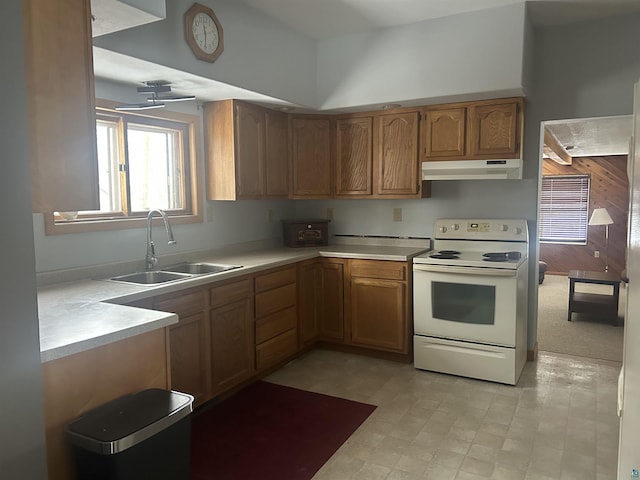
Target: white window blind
564	209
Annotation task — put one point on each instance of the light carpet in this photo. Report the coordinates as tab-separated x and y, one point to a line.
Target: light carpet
586	335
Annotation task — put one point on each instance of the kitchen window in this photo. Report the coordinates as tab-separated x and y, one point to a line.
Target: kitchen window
564	209
145	161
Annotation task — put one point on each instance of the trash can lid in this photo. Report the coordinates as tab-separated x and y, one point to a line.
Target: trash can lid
128	420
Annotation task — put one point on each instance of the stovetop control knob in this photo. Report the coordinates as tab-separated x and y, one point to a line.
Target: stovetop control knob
517	230
455	226
504	228
443	229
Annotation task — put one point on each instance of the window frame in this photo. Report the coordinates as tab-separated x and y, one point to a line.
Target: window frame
55	225
584	210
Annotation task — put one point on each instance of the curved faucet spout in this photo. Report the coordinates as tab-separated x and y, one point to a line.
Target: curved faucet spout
150	259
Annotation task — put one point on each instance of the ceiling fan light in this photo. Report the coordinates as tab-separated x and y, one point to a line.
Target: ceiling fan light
154	89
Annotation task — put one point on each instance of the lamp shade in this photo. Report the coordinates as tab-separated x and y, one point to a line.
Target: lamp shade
600	216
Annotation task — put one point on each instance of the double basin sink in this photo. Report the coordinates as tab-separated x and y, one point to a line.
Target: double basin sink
181	271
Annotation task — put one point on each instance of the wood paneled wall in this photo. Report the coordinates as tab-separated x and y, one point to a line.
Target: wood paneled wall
609	189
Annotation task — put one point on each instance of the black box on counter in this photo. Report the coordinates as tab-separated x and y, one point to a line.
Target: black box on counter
305	233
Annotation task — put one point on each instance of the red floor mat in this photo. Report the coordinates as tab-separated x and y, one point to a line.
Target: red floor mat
271	432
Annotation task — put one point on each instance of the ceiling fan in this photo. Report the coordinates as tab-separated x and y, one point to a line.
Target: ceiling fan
159	94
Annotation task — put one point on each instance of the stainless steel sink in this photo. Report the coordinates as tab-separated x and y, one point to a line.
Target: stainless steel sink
151	277
198	268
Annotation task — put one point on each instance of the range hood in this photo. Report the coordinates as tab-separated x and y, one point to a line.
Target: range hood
473	170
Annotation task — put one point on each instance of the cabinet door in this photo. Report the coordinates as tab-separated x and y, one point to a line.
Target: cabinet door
311	157
309	282
190	362
397	153
493	129
61	105
445	132
277	154
250	150
188	342
378	314
331	301
232	344
354	156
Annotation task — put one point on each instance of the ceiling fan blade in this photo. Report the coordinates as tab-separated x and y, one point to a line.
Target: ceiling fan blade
139	106
175	98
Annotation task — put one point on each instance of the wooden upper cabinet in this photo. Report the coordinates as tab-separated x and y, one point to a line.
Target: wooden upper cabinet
397	155
250	150
488	129
276	154
494	128
354	156
246	149
61	105
311	157
445	132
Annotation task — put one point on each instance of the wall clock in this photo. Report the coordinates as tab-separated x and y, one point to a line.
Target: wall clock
203	32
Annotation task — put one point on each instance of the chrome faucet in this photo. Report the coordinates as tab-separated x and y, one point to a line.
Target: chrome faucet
150	259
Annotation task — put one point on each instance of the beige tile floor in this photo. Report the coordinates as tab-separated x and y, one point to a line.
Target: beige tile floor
559	422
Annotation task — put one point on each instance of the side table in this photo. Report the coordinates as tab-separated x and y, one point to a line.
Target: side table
594	303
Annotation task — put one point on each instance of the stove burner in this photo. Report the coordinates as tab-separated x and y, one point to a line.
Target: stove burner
445	255
448	252
495	259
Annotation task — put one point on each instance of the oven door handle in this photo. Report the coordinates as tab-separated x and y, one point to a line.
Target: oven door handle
487	272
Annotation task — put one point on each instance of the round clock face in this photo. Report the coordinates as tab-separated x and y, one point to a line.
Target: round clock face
205	32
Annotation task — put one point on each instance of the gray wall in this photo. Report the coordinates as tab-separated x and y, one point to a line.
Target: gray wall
583	70
22	454
477	53
260	54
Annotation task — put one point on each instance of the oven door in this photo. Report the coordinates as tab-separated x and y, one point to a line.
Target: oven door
465	303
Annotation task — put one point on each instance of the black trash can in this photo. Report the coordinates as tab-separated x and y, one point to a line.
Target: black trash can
138	436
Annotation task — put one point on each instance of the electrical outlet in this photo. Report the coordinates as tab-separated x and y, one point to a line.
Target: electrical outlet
397	214
596	254
270	216
329	213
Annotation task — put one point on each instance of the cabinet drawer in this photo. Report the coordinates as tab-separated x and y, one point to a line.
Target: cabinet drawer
273	325
379	269
229	292
183	303
275	279
278	348
275	300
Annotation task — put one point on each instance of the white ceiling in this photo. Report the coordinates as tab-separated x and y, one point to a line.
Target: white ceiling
593	137
323	19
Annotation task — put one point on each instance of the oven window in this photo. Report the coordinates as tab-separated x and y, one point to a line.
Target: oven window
463	303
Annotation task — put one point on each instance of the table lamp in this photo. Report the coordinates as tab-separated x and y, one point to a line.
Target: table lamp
600	216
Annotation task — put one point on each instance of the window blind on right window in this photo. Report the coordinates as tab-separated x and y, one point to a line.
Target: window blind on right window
564	209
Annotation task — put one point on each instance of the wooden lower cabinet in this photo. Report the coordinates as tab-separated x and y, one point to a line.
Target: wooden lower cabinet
379	305
276	318
309	272
189	356
232	335
188	346
331	300
362	303
320	300
378	317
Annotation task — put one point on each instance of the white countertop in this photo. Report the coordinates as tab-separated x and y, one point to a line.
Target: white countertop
80	315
